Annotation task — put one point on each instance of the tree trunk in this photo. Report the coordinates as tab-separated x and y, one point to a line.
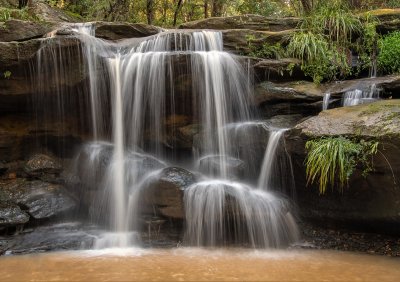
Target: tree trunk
217	8
177	9
22	3
205	9
150	11
307	6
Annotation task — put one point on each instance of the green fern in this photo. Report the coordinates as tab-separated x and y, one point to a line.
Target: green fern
334	159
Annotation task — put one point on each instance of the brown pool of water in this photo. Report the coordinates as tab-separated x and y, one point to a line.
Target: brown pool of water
199	265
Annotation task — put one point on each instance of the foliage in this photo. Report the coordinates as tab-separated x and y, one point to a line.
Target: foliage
7	74
367	44
268	51
333	160
389	53
19	14
261	7
393	4
324	39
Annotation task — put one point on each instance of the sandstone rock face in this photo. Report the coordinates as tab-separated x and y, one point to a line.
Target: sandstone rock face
287	69
254	22
237	40
372	202
389	20
17	30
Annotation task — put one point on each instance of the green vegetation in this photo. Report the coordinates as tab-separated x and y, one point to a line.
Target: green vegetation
7	74
19	14
267	51
324	40
389	53
333	160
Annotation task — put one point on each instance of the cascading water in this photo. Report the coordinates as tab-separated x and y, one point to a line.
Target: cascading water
139	79
325	102
358	96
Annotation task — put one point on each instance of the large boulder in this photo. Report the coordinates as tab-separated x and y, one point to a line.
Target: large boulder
253	22
43	167
369	203
39	199
165	191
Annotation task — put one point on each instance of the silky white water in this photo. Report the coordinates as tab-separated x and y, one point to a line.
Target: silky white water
133	88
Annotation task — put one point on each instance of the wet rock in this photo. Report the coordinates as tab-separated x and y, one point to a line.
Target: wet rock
58	237
389	86
39	199
94	162
165	191
17	30
211	165
254	22
117	31
284	121
186	134
43	167
11	215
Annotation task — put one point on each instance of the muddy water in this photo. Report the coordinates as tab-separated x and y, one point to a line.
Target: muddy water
199	265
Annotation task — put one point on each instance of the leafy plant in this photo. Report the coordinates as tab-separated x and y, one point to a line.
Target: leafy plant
324	39
389	53
7	74
265	50
334	159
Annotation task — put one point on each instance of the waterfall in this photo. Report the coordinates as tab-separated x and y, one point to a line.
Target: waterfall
359	96
325	102
264	181
131	90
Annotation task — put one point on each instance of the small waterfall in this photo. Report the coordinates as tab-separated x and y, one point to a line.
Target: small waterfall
131	89
219	212
358	96
326	101
270	157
